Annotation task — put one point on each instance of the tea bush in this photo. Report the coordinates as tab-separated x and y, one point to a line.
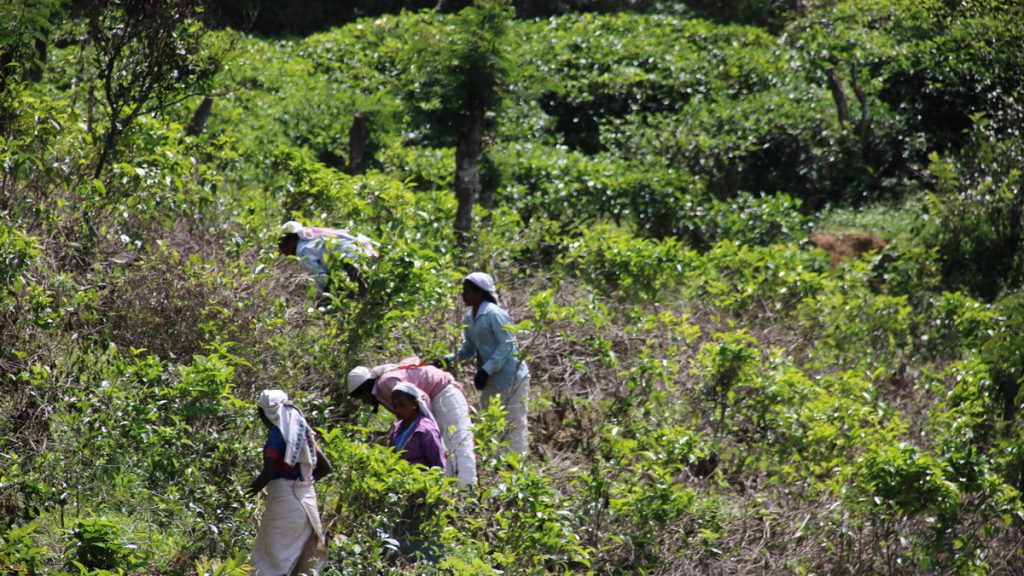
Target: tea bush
974	235
614	261
17	254
20	552
710	393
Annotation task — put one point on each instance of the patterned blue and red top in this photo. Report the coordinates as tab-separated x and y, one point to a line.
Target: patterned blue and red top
274	450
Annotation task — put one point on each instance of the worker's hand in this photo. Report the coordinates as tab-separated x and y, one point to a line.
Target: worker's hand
439	363
480	379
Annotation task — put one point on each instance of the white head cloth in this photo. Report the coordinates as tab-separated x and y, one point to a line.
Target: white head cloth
298	436
419	395
357	376
483	281
291	227
360	374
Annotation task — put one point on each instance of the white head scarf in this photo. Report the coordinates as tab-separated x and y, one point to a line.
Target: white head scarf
419	395
298	436
357	376
291	227
483	281
360	374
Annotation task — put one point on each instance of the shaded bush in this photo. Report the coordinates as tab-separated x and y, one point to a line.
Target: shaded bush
99	544
979	208
17	251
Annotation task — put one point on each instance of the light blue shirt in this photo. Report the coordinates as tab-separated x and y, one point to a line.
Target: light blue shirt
487	339
311	254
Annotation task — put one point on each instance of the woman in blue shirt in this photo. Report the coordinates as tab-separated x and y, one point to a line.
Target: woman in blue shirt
290	539
500	373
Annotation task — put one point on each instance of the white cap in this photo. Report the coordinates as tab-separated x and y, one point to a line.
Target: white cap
291	227
484	282
357	377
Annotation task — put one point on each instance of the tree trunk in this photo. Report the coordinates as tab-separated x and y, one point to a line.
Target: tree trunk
838	95
488	183
198	123
35	69
467	174
5	60
864	125
109	141
358	136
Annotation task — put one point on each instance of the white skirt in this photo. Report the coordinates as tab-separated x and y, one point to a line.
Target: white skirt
288	520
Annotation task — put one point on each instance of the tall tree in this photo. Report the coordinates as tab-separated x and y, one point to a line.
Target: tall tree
460	76
146	56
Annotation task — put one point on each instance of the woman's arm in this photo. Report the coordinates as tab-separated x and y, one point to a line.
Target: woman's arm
263	479
465	352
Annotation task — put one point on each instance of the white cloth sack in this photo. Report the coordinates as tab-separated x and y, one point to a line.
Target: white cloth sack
452	413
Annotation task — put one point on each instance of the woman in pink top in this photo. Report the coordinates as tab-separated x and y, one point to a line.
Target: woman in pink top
374	386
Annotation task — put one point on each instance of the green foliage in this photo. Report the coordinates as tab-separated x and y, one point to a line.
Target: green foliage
940	94
724	365
749	219
144	57
618	73
710	393
24	30
629	510
99	543
958	322
399	285
376	488
979	208
614	261
781	139
903	479
738	278
204	383
463	66
236	566
524	519
853	324
965	423
1003	353
44	145
551	183
16	253
20	550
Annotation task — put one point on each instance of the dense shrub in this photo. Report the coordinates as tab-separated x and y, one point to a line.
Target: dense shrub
613	261
710	393
16	255
938	92
978	205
